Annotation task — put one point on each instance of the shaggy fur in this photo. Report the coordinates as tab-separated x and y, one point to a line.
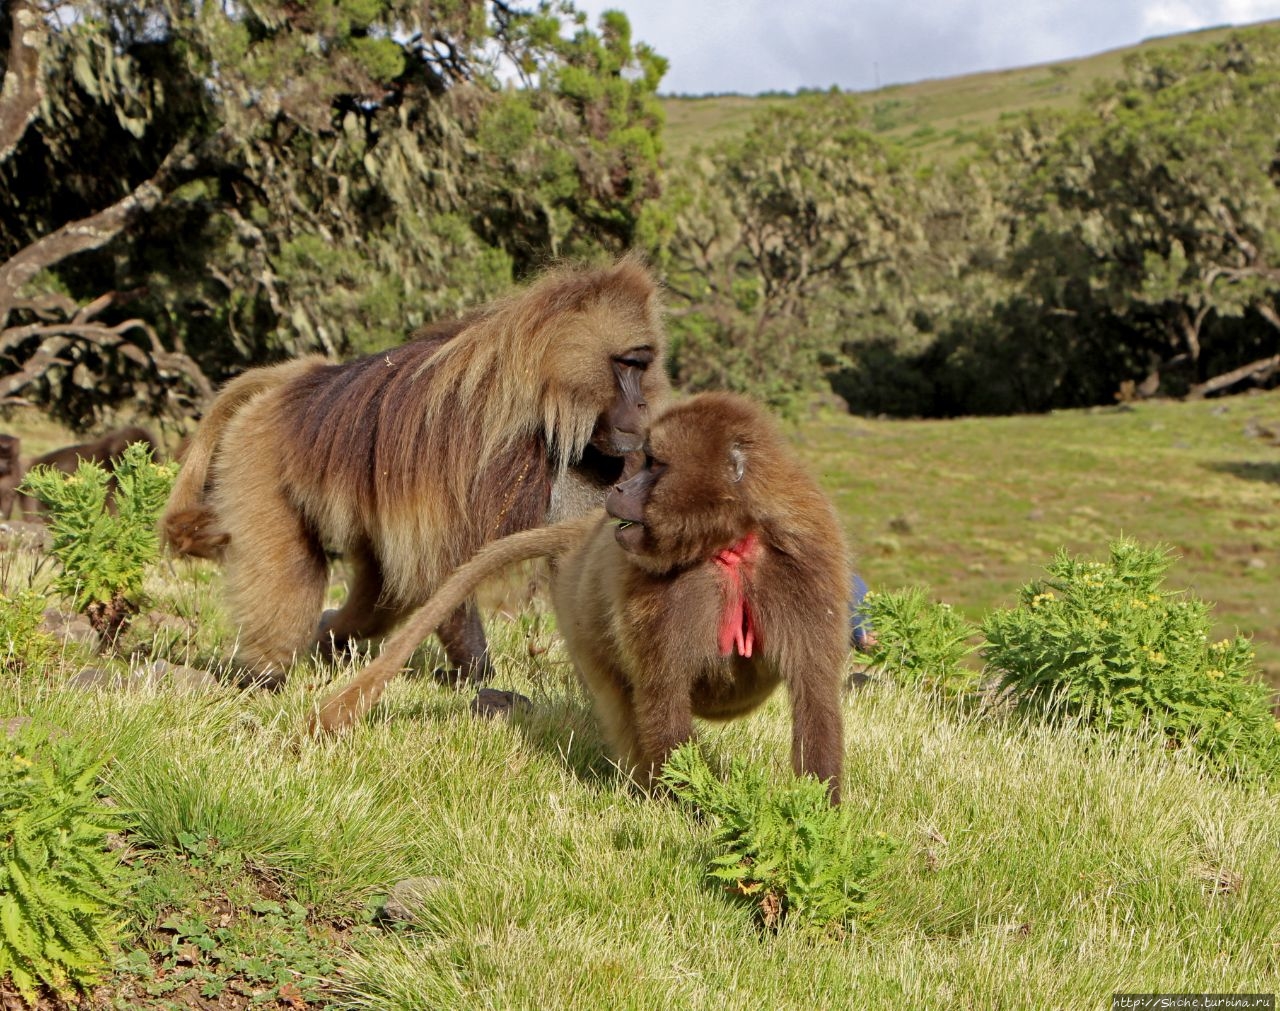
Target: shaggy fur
640	603
188	525
408	460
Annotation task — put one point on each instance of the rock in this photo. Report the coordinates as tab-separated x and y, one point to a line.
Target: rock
191	679
73	627
150	675
492	702
14	725
409	897
94	677
24	534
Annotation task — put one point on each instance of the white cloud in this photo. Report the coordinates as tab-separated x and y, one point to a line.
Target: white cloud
751	46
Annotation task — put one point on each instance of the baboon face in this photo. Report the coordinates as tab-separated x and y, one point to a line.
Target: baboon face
622	427
685	496
624	384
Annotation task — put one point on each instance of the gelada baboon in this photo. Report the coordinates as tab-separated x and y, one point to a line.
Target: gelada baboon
10	473
405	462
188	525
716	572
104	451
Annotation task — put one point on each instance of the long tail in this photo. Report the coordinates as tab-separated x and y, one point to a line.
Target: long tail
346	706
188	524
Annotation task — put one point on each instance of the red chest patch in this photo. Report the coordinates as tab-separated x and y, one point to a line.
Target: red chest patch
737	631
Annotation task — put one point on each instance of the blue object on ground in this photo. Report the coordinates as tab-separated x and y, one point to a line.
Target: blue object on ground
859	623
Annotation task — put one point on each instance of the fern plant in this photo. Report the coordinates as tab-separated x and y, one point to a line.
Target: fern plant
60	886
103	532
23	644
1105	641
785	848
921	642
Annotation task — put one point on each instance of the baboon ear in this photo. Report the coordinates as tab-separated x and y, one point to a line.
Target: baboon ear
737	462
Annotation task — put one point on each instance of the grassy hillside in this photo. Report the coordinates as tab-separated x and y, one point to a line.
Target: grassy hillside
1033	869
975	507
938	115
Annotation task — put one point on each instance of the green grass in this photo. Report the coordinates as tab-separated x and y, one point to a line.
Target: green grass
975	507
1036	867
939	115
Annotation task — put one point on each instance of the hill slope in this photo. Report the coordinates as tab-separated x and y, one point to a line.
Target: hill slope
939	114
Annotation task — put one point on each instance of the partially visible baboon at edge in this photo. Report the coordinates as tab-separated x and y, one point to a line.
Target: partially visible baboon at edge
10	473
104	451
717	572
406	461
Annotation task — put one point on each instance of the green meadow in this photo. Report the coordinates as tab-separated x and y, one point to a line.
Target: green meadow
1034	867
975	507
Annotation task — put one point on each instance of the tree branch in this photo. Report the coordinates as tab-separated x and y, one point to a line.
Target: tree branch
57	337
23	86
87	233
1244	372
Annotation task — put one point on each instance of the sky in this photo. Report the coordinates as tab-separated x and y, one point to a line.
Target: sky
751	46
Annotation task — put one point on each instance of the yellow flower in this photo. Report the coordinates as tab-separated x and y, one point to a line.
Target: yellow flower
22	762
1214	674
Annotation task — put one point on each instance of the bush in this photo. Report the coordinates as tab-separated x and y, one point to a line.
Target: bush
1103	641
919	641
784	848
103	553
60	886
23	644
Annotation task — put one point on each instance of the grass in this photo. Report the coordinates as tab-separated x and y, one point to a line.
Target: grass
940	116
1037	868
975	507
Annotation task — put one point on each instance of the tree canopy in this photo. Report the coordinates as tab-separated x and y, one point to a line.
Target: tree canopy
189	188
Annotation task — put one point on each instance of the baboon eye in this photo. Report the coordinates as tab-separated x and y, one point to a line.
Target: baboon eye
636	358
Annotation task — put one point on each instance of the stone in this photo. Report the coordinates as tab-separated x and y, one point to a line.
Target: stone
73	627
408	897
154	674
491	702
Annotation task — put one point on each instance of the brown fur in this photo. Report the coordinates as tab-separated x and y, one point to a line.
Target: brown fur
104	451
189	525
407	461
11	472
640	609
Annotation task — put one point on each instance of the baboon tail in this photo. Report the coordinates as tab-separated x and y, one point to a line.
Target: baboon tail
358	697
188	525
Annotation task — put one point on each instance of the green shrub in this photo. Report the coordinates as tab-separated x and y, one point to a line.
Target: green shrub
23	644
1103	641
103	553
60	886
920	641
784	848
